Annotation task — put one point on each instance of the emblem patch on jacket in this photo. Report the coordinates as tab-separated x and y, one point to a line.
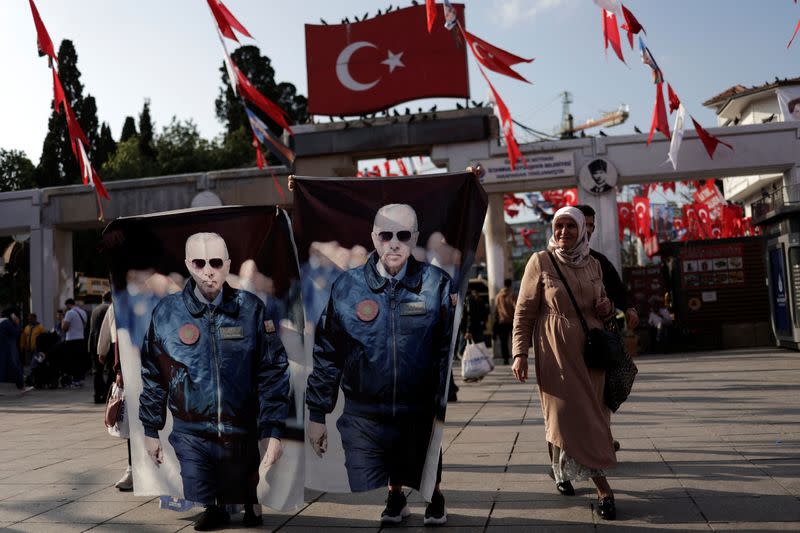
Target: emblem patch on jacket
412	308
231	333
454	299
269	325
367	310
189	334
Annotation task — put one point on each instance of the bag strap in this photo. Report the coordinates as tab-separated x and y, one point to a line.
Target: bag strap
571	296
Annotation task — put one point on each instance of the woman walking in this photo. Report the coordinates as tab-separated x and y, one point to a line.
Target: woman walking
576	419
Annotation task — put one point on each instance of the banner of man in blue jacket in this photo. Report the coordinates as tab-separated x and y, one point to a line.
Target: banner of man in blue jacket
209	322
384	264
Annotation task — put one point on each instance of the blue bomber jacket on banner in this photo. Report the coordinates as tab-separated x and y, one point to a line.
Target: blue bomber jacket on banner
383	265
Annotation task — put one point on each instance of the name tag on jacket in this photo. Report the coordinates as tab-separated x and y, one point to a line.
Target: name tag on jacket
231	333
412	308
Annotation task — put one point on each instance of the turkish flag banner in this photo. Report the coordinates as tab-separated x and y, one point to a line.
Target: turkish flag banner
368	66
641	209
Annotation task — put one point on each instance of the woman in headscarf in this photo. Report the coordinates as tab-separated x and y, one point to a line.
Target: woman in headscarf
576	419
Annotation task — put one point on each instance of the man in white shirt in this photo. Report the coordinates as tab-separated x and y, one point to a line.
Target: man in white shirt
73	325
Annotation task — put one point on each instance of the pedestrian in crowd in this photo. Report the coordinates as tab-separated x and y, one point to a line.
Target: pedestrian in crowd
107	352
476	313
612	282
10	367
74	325
62	335
27	341
577	422
615	288
504	318
98	369
660	320
393	308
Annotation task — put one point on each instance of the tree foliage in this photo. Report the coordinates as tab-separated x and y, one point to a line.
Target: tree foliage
16	171
147	132
57	165
106	146
128	129
259	70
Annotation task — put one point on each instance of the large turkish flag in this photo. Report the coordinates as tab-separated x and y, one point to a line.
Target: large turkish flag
368	66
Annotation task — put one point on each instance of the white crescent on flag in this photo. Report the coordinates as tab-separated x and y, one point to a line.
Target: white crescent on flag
640	212
343	67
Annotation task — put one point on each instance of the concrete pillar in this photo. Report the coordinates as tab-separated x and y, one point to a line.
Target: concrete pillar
51	272
494	232
606	233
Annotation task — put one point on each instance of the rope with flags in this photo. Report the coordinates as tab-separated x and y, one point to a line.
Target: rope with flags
228	26
77	138
610	9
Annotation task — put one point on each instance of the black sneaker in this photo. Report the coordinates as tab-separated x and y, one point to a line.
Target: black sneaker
396	508
212	518
436	512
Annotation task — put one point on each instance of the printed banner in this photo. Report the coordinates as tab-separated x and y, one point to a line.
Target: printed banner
209	321
547	165
384	265
789	101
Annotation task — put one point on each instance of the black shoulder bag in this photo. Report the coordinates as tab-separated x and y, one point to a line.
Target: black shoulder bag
605	350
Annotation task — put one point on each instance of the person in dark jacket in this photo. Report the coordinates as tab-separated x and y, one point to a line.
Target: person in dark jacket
385	338
212	356
615	289
10	366
100	372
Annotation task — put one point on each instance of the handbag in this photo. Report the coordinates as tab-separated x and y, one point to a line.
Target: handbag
114	405
604	348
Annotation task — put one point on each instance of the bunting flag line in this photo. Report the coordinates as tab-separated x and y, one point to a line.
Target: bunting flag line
504	117
430	9
78	142
43	42
494	58
226	22
631	25
611	33
649	60
796	29
249	92
677	138
263	134
710	142
260	161
660	121
674	101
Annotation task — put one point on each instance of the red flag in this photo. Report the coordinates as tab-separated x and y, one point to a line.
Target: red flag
494	58
796	29
709	141
249	91
631	25
504	116
704	219
58	92
611	33
626	218
402	166
88	173
226	21
359	68
570	197
660	121
260	162
376	171
43	42
641	208
554	198
74	129
430	12
674	101
651	245
525	232
668	186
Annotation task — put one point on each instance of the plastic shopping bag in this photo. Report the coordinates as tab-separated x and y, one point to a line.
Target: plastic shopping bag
475	364
115	419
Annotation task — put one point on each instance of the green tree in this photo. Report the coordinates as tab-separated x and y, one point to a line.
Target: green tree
146	132
57	165
106	146
128	129
127	162
16	171
181	149
229	107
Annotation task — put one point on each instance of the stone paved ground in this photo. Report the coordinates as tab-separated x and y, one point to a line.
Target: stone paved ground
710	442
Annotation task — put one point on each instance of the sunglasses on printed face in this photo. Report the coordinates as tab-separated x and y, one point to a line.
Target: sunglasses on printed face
215	263
402	236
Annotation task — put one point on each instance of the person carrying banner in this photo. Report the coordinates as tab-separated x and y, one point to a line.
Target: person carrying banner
385	337
212	356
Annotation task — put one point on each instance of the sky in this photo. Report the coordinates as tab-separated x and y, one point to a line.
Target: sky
169	52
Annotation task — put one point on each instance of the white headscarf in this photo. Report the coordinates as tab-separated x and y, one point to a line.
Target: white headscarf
578	254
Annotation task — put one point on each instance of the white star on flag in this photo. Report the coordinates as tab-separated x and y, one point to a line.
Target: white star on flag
393	61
